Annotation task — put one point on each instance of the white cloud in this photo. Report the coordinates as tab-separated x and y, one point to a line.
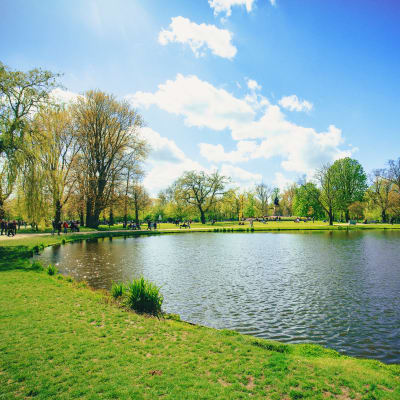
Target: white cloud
199	37
293	103
225	6
240	176
260	128
273	2
281	181
253	85
162	148
63	96
199	102
216	153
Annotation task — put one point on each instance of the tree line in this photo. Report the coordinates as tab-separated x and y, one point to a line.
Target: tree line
85	161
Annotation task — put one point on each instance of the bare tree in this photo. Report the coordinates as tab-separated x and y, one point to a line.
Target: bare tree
201	190
108	130
379	192
263	193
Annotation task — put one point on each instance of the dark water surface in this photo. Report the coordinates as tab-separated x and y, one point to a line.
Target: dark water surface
337	289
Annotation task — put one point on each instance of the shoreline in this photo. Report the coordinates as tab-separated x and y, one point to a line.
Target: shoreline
232	365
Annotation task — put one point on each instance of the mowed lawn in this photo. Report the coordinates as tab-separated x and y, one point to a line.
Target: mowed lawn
62	340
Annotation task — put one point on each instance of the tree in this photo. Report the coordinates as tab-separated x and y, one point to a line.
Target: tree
306	201
349	181
57	150
288	198
379	192
327	195
201	190
393	174
140	200
263	193
107	131
21	95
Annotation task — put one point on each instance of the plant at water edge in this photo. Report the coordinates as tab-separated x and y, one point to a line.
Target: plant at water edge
51	269
117	290
37	266
144	297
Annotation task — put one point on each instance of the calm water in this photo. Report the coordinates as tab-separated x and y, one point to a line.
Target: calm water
341	290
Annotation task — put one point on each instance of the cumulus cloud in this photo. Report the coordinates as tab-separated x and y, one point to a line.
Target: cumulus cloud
253	85
62	96
162	148
292	103
167	162
240	176
199	37
200	103
281	181
216	153
273	2
260	128
225	6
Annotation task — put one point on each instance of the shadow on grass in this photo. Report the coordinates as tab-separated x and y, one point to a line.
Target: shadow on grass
15	257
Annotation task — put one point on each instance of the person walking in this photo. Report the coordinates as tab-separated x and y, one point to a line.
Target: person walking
65	226
3	227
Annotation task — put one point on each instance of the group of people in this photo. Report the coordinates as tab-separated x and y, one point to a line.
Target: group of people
8	228
64	226
131	225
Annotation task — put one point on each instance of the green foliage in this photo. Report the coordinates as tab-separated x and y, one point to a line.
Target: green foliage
37	266
306	201
51	269
144	297
117	290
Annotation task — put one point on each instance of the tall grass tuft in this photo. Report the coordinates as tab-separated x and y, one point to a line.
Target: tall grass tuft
51	269
144	297
117	290
37	266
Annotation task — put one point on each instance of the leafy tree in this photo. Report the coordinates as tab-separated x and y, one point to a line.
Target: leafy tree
21	95
140	200
393	174
378	193
350	183
306	201
327	195
57	150
201	190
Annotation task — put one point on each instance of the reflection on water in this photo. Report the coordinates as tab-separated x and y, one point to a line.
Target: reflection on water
341	289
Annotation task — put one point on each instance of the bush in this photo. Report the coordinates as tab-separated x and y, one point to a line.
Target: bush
37	266
51	269
117	290
144	297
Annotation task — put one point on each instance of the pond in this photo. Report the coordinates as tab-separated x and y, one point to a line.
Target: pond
337	289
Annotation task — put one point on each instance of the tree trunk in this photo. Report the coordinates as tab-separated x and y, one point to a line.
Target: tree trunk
331	216
347	215
202	216
137	215
81	218
2	211
57	216
384	216
111	216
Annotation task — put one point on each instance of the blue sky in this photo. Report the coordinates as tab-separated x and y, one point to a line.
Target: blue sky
263	90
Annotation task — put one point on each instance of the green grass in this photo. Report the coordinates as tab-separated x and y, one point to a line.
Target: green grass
61	340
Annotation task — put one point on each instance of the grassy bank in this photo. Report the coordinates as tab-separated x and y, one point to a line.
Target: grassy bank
62	340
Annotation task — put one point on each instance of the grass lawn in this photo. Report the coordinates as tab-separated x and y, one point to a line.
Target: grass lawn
62	340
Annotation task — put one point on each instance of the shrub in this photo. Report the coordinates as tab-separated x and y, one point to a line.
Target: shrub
143	296
37	266
69	278
117	290
51	269
36	249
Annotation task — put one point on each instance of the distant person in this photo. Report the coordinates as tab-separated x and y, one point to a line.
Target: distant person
10	229
3	227
65	226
